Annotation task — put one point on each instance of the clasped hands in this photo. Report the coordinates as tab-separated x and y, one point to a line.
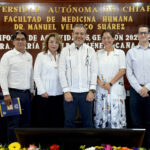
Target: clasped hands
105	85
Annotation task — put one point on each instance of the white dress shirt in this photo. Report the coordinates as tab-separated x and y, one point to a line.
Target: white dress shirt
78	68
16	71
108	67
46	74
138	67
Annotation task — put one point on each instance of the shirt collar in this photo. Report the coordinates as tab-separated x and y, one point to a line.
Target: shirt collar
139	46
114	51
49	53
77	47
17	52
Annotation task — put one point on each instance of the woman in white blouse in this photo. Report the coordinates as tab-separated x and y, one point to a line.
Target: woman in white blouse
110	93
49	91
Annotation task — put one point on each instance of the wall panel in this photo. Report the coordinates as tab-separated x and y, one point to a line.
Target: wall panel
38	18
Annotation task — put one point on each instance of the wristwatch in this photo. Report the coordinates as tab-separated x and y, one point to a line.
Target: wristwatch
110	84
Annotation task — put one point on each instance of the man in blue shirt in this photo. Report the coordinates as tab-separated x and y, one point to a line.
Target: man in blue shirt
138	74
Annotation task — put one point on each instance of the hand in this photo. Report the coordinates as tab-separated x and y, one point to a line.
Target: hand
44	95
8	100
68	97
144	92
32	96
107	86
90	96
102	84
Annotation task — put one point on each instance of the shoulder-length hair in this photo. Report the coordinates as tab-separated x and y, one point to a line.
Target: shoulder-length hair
45	43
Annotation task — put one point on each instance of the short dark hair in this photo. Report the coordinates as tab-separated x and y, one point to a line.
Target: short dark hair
110	32
18	32
143	26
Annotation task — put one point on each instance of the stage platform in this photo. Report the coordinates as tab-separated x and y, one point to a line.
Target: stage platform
72	138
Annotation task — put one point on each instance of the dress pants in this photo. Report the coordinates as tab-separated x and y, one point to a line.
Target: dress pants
19	120
140	114
86	110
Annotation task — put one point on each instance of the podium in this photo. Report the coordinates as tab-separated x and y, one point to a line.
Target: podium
72	138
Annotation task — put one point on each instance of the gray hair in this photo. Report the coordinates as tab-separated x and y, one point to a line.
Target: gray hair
80	26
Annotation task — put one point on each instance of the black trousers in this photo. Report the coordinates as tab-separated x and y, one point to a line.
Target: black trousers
50	111
140	114
19	120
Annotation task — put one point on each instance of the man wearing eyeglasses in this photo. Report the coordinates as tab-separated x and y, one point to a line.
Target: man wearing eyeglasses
138	74
78	76
16	81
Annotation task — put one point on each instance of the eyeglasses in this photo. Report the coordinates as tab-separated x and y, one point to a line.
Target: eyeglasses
141	33
20	39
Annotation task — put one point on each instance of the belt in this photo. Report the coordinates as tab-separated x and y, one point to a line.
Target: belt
17	90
